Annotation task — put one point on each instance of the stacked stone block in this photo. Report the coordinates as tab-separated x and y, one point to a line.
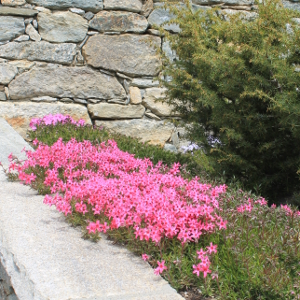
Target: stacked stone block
92	59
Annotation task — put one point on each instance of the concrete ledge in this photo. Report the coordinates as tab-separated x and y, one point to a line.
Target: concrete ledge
46	259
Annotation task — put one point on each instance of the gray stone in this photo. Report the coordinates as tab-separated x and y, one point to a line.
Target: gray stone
11	11
244	15
35	24
291	5
40	51
87	5
169	53
7	73
228	2
66	100
22	38
33	34
22	65
43	9
19	114
119	21
144	82
28	21
115	111
159	16
44	99
171	148
151	115
77	11
147	7
62	27
47	259
81	101
89	16
11	142
13	2
65	82
135	95
129	54
2	96
130	5
152	100
11	27
154	132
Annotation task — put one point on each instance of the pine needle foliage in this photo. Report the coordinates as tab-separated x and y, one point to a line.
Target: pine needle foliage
236	79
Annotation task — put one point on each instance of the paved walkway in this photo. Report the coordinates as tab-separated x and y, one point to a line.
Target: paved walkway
47	259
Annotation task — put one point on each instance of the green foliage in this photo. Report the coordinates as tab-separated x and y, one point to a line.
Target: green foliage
236	79
191	165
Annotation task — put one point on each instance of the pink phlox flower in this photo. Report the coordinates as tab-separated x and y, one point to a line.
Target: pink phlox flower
161	267
81	208
201	253
145	257
212	248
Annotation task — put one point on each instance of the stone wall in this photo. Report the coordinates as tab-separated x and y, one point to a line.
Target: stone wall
92	59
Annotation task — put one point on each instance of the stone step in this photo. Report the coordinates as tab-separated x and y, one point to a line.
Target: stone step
45	258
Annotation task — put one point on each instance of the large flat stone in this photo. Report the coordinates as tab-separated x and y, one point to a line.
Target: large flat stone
90	5
128	54
65	82
7	73
60	27
156	132
41	51
11	142
130	5
11	11
115	111
19	114
119	21
47	259
11	27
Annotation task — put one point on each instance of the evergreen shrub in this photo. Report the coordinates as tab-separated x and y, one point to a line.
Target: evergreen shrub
235	80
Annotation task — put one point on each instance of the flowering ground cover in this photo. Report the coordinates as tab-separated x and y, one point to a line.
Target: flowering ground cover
199	235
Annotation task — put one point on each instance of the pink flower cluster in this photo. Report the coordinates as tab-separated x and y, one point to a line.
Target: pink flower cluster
129	192
204	265
53	120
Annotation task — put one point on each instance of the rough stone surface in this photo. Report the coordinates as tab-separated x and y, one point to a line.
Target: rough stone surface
92	5
2	98
135	95
119	21
156	132
144	82
129	53
19	114
159	108
13	2
61	27
11	27
115	111
7	73
22	38
33	34
41	51
130	5
228	2
11	11
11	142
147	7
160	16
71	82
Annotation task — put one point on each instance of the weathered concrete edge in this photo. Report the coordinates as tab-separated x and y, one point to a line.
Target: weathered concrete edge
11	142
